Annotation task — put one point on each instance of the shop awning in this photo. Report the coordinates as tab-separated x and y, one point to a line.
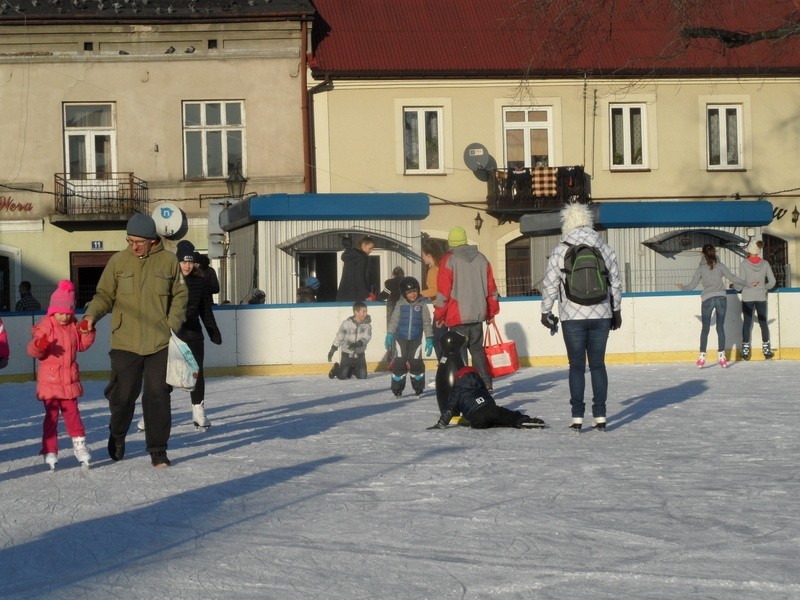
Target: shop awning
322	207
722	238
619	215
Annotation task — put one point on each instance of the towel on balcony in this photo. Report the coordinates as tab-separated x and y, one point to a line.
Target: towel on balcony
544	181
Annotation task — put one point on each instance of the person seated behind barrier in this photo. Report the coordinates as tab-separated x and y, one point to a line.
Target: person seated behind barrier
470	397
353	336
308	291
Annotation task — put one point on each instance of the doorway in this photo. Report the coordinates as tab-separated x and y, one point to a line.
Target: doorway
321	265
85	269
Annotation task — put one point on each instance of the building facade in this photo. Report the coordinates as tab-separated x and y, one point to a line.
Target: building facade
111	109
463	102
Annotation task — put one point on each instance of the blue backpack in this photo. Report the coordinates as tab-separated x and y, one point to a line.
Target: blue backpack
585	274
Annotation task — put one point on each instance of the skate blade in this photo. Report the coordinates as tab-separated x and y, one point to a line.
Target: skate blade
533	425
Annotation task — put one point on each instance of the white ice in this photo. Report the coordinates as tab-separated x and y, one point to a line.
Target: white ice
307	488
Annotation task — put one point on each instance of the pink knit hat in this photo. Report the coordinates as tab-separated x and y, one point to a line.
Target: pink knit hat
63	299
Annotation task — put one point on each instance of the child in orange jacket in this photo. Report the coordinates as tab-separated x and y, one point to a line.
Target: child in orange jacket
57	339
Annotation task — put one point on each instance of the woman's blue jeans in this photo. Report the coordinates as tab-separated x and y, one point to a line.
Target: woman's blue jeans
719	304
587	339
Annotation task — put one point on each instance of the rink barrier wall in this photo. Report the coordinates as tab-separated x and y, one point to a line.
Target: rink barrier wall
286	339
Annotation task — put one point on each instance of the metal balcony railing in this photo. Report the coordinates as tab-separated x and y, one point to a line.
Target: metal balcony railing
100	194
513	192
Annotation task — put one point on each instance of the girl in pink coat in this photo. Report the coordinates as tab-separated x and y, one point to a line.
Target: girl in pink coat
57	339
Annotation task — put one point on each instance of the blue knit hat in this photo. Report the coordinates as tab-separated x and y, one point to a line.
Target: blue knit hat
313	283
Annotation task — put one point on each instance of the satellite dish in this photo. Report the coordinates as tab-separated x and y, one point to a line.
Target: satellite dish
171	222
477	157
479	161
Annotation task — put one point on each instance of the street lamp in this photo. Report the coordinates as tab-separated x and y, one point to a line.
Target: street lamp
795	216
235	183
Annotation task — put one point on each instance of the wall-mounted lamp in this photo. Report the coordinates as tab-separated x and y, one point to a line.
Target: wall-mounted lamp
478	222
795	216
236	183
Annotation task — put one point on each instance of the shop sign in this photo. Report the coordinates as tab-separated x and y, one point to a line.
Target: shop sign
7	204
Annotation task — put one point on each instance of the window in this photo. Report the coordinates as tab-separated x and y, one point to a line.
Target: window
528	136
724	128
213	138
628	136
422	135
89	141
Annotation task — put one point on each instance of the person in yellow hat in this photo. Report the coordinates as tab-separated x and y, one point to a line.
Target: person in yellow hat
466	296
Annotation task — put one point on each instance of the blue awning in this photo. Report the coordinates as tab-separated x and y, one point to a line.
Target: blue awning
620	215
323	207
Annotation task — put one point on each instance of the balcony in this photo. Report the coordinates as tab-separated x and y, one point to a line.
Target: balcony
516	192
98	199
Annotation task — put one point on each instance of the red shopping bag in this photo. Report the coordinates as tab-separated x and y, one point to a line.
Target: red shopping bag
501	356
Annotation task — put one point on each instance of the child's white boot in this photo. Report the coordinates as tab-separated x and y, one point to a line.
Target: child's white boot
50	459
81	451
199	416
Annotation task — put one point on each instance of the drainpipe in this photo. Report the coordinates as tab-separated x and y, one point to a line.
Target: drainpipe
310	154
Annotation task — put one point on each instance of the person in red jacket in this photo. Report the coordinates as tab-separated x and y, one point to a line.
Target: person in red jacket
4	351
466	297
56	343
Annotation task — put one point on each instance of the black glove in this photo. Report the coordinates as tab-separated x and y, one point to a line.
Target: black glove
331	353
359	345
550	321
616	320
215	336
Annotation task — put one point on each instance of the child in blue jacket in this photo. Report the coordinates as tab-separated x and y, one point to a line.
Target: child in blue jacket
410	321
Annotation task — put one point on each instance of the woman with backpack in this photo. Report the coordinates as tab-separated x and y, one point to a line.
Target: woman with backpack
583	275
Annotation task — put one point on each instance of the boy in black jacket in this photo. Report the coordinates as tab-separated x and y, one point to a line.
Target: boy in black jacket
470	397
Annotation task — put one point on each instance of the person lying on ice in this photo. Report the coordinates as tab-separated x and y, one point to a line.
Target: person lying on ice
470	397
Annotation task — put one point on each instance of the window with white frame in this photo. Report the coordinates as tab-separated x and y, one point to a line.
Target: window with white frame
724	131
90	140
422	140
628	136
528	136
213	138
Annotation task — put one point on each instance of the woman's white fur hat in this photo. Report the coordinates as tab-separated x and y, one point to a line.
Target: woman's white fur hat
754	247
576	215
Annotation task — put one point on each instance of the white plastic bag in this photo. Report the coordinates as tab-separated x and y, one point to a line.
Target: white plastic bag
182	368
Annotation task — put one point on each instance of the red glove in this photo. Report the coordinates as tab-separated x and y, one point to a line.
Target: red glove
84	326
41	342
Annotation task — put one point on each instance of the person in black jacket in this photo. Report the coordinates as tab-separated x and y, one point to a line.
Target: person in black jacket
198	307
355	285
472	399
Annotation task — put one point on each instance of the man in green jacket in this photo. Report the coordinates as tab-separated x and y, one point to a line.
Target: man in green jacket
143	289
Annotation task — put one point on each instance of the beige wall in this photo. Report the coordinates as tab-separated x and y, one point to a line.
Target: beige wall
43	67
360	143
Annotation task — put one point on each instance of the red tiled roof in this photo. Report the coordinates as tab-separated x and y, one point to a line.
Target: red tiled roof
496	38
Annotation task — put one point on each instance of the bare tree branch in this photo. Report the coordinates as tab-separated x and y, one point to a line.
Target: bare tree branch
734	39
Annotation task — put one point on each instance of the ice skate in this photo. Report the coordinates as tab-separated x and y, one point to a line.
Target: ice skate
701	360
746	351
599	423
577	423
333	371
766	349
81	451
199	417
50	459
723	362
140	425
526	422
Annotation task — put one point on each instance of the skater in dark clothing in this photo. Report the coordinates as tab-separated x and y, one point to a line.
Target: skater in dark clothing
391	291
197	307
353	336
410	321
355	284
470	397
